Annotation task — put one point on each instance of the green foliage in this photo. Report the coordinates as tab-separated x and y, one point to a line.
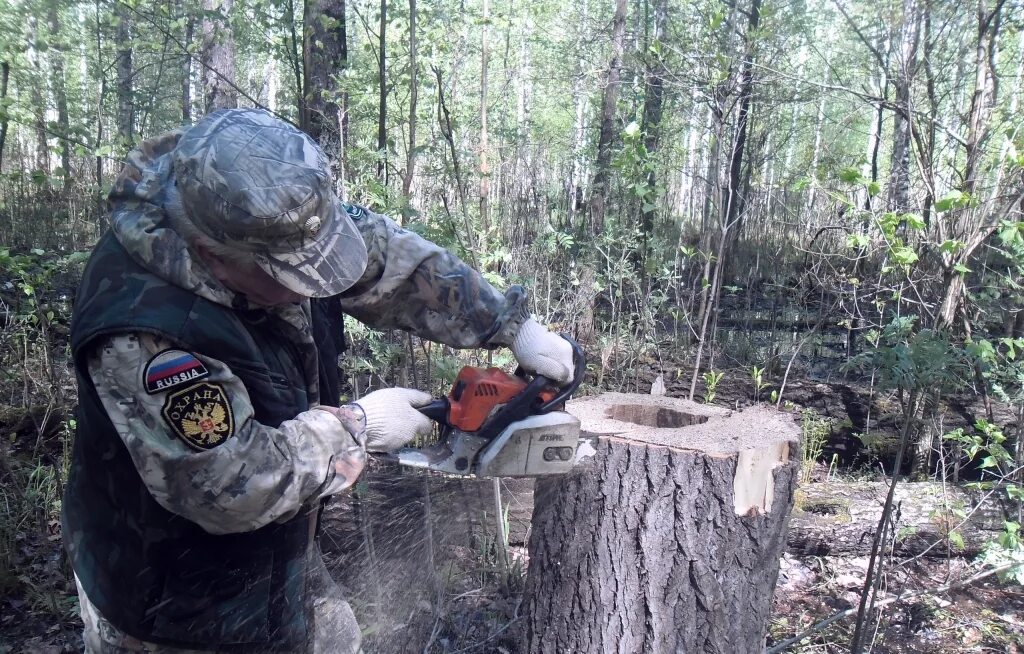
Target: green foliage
711	381
1006	551
814	435
908	359
757	377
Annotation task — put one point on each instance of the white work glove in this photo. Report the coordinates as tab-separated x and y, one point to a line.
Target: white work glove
543	352
392	419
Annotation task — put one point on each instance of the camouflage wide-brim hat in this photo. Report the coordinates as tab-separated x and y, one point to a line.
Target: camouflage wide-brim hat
256	183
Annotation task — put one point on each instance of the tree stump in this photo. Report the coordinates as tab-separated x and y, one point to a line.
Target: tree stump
667	537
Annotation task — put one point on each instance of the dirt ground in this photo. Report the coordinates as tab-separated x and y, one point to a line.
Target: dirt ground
987	617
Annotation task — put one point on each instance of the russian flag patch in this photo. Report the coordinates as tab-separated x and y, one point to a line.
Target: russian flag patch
172	368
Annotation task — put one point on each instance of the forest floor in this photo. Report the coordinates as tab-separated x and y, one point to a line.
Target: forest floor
986	617
38	607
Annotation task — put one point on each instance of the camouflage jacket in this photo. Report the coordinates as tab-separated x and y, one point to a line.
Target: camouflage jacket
409	283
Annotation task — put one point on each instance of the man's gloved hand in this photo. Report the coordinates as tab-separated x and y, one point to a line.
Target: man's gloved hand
392	419
543	352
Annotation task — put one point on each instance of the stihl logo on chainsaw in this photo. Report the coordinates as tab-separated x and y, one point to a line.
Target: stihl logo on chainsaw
550	437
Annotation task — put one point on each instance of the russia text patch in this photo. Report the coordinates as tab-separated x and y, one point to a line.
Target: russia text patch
172	368
200	415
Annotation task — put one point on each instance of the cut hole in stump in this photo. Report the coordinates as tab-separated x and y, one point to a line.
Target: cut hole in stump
653	416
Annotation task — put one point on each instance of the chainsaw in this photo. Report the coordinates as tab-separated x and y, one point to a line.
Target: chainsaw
494	424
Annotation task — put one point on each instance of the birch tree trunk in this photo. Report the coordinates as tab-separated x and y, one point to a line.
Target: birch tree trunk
5	75
667	539
382	105
42	161
186	74
579	100
485	171
410	165
60	96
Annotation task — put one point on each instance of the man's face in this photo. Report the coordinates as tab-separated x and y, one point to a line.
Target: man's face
250	280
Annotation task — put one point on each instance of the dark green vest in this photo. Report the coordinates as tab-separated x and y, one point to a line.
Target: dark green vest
154	574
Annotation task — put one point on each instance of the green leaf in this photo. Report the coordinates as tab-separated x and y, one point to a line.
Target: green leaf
850	175
888	223
1010	232
904	255
956	540
951	246
961	268
914	221
948	201
857	241
874	188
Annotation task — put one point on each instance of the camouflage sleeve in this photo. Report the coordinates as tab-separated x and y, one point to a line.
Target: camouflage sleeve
188	424
415	285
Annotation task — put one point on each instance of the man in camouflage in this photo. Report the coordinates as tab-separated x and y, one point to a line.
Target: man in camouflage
205	336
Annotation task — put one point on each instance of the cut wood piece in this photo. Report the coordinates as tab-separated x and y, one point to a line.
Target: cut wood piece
667	537
839	519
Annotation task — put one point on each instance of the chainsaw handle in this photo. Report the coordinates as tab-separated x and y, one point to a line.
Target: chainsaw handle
436	410
580	370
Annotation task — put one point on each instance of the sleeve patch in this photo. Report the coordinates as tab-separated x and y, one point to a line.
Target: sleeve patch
172	368
200	415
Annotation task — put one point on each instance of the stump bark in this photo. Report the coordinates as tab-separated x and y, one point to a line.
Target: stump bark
667	537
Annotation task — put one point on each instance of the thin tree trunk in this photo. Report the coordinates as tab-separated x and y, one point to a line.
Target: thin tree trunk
5	74
60	96
382	103
485	172
899	189
322	49
42	161
410	165
186	73
100	100
218	57
816	152
296	57
444	119
609	100
735	201
125	73
653	107
580	99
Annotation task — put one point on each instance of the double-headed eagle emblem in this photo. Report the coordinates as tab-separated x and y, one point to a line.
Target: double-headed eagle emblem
200	415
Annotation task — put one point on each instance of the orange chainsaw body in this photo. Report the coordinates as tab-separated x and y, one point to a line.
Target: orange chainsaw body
478	391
